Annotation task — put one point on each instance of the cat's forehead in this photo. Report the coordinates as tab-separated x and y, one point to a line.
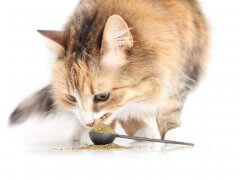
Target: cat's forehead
89	75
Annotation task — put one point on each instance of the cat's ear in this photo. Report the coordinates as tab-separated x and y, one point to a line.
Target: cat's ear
117	33
54	40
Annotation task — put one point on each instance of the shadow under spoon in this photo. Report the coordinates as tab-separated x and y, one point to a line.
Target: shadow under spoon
103	139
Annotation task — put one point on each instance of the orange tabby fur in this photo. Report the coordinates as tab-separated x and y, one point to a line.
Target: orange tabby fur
173	30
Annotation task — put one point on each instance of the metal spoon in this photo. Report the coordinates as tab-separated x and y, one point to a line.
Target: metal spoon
102	139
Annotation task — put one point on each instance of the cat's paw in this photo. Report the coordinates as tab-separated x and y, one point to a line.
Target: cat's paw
85	139
77	135
77	130
145	132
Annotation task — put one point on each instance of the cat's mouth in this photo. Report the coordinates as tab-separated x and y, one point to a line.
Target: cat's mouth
99	120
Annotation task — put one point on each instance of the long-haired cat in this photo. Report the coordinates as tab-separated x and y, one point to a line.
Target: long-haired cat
135	60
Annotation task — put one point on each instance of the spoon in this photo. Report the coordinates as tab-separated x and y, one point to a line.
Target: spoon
102	139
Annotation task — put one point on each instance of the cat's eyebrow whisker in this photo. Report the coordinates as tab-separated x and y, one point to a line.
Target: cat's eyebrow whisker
118	34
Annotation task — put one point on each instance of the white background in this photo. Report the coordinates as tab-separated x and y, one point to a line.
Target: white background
210	117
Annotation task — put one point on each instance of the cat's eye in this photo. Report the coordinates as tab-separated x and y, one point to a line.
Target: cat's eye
101	97
71	98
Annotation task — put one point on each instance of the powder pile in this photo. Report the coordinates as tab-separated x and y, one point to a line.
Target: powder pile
103	128
107	147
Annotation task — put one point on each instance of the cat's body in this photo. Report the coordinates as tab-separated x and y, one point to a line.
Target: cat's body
135	59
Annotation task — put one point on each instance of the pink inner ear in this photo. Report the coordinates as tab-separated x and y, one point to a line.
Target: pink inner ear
117	33
58	37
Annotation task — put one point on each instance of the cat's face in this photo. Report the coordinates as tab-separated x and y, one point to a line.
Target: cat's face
94	86
90	93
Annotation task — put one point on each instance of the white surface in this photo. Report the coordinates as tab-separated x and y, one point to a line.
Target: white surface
210	117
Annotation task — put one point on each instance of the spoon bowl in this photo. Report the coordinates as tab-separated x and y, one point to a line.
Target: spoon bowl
101	139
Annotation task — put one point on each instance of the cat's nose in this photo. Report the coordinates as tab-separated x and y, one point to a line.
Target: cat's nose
90	124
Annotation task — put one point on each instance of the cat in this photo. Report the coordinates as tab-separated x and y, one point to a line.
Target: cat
135	59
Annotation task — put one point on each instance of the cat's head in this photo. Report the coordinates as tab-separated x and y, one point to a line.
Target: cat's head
92	79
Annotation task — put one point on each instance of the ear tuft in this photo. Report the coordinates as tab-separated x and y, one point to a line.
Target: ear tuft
55	40
117	33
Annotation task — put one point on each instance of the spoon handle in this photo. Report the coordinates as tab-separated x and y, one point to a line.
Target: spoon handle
154	140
